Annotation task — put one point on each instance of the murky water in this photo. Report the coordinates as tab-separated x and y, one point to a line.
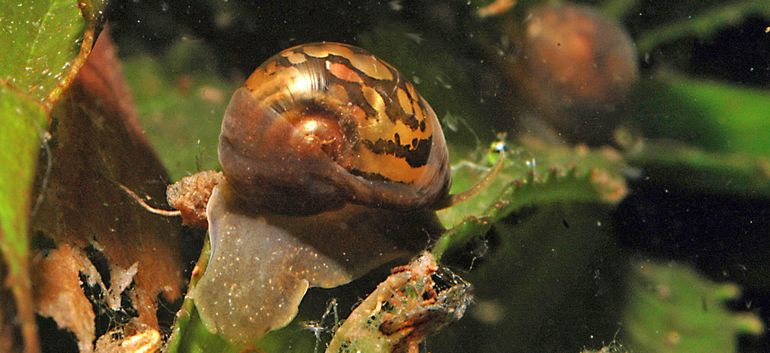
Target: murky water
632	211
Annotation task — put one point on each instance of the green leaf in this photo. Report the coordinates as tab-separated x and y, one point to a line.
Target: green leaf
618	9
36	61
715	116
703	24
534	174
294	338
191	336
671	309
34	69
688	168
22	123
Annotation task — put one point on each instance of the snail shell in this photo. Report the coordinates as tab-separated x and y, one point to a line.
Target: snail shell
320	125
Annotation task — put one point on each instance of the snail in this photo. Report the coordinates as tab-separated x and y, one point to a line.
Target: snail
333	165
575	68
320	125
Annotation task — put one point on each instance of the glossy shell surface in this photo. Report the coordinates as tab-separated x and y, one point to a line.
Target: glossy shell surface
320	125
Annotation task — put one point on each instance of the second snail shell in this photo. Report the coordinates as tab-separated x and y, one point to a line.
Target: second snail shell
320	125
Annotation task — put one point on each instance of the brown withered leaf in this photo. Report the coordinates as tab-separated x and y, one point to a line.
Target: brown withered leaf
59	295
96	145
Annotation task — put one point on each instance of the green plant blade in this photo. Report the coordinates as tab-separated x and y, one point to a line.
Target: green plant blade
35	68
534	174
35	60
22	122
703	24
672	309
696	170
718	117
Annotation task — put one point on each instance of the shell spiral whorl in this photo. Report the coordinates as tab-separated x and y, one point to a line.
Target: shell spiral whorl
320	125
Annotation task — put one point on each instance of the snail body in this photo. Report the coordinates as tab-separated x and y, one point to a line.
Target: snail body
324	124
333	165
262	264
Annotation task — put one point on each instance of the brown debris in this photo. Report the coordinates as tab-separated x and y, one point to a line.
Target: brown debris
58	293
96	145
130	340
496	8
612	189
191	194
417	300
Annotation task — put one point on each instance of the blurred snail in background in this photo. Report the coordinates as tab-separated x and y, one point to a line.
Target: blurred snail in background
574	68
333	165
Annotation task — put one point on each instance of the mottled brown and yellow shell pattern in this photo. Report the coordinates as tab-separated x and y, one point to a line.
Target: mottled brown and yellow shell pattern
320	125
